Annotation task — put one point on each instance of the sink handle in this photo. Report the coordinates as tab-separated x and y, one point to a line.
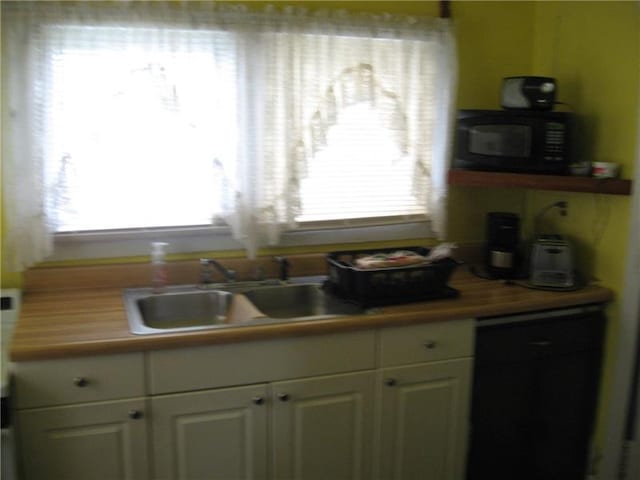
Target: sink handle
284	265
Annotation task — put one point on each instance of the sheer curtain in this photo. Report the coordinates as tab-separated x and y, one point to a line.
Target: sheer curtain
26	238
107	118
316	66
226	111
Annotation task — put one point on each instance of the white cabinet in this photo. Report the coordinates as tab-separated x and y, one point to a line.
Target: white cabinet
79	380
102	441
82	418
424	400
323	427
307	429
426	342
424	420
388	403
213	434
391	403
308	416
231	364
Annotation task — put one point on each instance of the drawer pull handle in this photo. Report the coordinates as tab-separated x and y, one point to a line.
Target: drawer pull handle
540	343
80	382
390	382
257	400
430	344
283	397
135	414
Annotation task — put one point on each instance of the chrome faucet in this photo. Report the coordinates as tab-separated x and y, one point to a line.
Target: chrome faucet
284	264
206	271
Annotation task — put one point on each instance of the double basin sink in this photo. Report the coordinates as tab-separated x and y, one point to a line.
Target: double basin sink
188	308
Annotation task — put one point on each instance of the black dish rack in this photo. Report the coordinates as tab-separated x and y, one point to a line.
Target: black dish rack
388	286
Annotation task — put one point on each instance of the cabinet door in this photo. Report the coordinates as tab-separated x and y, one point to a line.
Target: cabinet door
564	414
211	435
533	420
534	397
502	423
424	421
97	441
323	427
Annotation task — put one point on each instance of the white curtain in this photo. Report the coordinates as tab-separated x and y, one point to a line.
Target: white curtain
310	65
26	237
316	65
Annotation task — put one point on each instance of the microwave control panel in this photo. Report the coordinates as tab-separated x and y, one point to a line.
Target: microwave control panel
554	142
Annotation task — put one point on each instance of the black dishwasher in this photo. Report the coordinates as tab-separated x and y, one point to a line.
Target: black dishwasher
535	389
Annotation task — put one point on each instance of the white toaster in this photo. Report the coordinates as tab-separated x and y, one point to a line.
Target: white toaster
551	262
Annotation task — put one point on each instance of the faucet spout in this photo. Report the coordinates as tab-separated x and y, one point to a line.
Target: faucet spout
207	265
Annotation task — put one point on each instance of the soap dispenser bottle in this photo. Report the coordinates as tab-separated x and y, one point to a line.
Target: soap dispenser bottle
159	274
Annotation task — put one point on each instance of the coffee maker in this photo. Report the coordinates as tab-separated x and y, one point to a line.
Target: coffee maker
503	233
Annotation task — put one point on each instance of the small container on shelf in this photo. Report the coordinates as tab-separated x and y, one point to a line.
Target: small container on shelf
580	169
605	169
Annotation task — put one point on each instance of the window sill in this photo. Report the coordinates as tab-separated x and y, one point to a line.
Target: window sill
132	243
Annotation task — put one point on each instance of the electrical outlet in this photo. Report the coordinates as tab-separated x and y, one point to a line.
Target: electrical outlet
564	208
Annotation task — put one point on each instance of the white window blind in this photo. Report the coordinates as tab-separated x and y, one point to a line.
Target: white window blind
135	125
157	114
360	175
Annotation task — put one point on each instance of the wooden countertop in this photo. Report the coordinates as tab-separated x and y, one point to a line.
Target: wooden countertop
92	321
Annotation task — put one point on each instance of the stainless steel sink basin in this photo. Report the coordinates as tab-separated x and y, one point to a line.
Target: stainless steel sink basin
299	301
175	310
188	308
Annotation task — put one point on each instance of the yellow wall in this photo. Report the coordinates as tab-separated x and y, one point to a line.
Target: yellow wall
495	40
593	49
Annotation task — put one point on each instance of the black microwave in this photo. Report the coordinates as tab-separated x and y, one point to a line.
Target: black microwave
524	141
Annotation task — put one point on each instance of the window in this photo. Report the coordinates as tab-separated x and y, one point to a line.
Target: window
361	173
158	115
135	131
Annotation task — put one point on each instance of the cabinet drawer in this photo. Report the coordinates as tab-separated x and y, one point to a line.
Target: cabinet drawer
528	340
253	362
426	342
79	380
